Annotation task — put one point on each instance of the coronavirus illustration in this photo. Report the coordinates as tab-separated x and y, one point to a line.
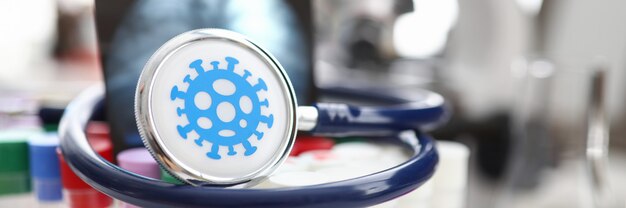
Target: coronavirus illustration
222	107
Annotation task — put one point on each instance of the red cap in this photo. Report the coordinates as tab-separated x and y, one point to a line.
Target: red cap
295	150
100	139
308	143
98	129
81	195
70	180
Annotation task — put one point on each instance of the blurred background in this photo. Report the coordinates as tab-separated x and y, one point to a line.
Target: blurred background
536	87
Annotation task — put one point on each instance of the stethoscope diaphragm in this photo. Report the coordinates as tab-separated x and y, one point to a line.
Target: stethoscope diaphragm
215	108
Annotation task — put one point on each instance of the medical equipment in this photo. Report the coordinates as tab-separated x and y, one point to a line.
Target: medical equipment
211	98
44	167
139	161
14	157
77	193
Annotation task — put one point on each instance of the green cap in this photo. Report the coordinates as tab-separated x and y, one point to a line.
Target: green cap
165	176
14	165
51	127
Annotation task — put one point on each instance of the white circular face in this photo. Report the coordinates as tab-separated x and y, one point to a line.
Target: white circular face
220	110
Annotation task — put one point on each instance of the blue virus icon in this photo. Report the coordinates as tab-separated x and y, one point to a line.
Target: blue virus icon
222	107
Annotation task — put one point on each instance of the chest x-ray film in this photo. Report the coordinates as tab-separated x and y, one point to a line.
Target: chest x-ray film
130	31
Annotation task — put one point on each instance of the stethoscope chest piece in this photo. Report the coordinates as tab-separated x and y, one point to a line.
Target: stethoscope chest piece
214	108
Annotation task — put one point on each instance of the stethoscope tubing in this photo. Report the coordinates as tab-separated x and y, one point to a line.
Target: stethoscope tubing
138	190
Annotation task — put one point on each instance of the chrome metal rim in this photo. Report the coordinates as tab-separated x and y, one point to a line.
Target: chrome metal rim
153	141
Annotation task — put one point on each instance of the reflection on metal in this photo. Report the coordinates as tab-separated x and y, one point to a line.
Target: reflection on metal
531	148
598	142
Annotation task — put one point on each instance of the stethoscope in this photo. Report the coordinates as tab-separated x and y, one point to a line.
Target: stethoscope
218	112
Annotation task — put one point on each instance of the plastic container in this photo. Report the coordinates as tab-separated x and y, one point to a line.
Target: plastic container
450	179
86	198
15	182
309	143
44	166
77	193
138	161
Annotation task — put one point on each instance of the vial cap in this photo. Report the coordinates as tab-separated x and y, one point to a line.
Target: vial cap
70	180
308	143
139	161
14	164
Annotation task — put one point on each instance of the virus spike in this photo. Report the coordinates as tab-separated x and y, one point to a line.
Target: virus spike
269	120
187	79
214	153
249	148
265	103
197	65
199	141
175	93
231	150
231	63
179	111
259	135
246	74
183	130
261	85
216	65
